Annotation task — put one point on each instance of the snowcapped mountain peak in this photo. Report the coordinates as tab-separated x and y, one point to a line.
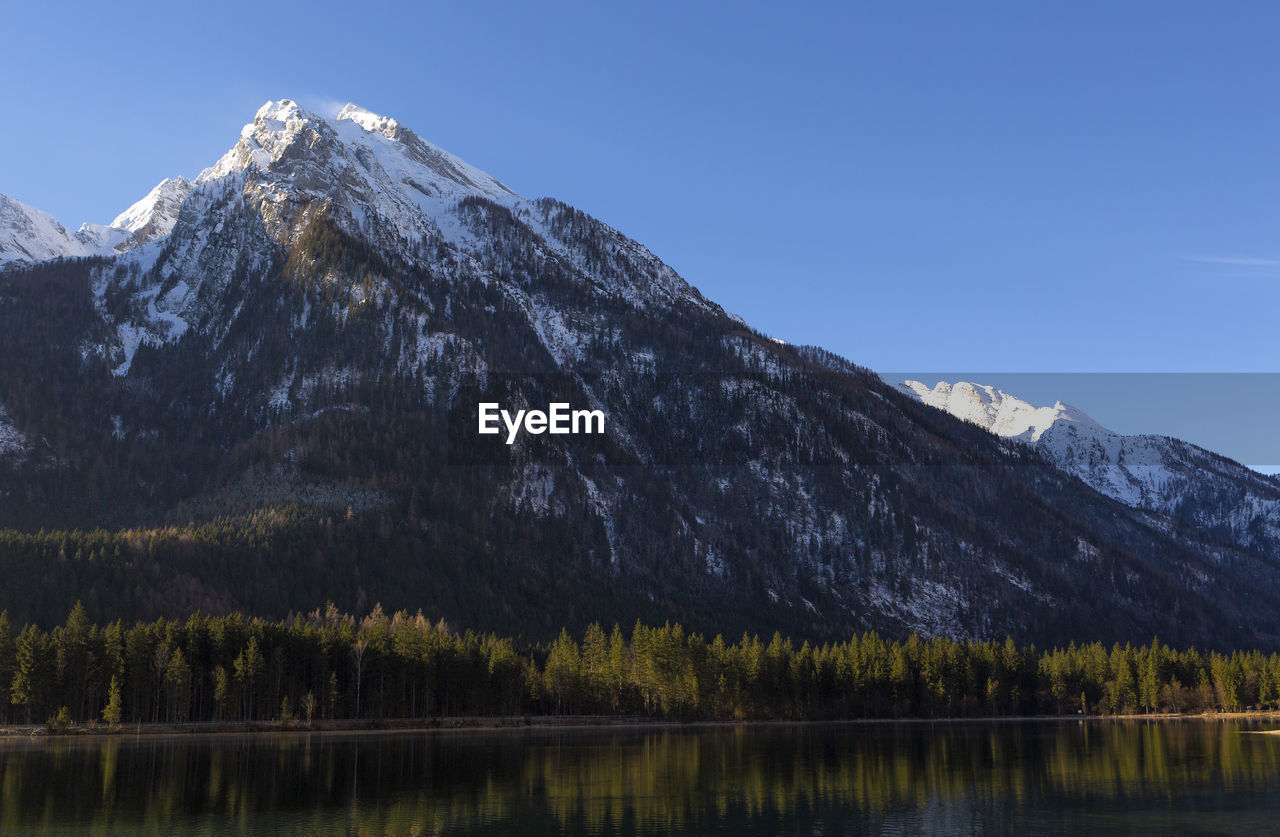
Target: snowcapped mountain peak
159	208
264	140
294	174
370	175
370	121
357	145
282	111
998	411
377	178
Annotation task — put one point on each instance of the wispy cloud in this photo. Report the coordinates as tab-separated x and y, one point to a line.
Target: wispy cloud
322	105
1238	261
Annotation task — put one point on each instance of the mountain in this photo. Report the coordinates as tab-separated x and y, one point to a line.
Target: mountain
153	216
28	235
1167	476
276	404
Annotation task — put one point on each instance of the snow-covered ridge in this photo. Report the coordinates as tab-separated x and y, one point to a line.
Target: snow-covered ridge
377	181
374	177
1127	468
157	211
370	175
1155	473
1065	434
286	138
420	151
29	235
1000	412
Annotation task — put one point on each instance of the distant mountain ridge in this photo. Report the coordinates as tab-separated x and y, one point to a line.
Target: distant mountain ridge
28	235
273	404
1155	473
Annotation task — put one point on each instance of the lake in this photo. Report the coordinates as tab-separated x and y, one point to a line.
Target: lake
1034	777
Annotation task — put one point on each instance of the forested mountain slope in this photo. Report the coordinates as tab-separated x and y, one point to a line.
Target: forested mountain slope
275	405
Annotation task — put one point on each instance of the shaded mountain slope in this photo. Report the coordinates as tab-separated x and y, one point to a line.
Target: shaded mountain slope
275	404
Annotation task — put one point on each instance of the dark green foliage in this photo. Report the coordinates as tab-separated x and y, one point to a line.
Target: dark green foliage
234	668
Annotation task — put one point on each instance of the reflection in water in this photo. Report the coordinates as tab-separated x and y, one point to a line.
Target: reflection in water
1040	777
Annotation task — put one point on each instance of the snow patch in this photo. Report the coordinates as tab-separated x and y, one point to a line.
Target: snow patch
12	441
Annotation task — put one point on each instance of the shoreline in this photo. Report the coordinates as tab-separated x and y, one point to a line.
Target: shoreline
553	722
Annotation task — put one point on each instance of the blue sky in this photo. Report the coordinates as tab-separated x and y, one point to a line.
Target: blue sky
1031	187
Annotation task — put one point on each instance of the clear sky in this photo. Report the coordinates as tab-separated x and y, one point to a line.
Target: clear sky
1023	186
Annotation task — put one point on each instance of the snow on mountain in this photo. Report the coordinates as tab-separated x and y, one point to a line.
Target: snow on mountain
382	182
12	440
29	235
376	179
1120	467
373	178
101	240
334	294
999	412
377	148
1155	473
378	182
154	215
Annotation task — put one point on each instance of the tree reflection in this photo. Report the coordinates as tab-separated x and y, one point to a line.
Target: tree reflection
721	779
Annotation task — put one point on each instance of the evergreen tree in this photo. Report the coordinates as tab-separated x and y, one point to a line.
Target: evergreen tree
7	663
27	685
113	712
248	667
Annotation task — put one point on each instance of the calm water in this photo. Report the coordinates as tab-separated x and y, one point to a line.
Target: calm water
1016	778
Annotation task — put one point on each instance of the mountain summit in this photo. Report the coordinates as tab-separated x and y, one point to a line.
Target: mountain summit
385	180
381	165
267	392
366	177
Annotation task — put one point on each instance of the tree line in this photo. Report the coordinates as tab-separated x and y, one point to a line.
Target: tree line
332	665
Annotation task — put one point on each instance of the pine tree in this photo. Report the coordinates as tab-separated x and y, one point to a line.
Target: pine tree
222	691
178	685
563	671
113	714
618	656
6	663
595	667
28	652
249	667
